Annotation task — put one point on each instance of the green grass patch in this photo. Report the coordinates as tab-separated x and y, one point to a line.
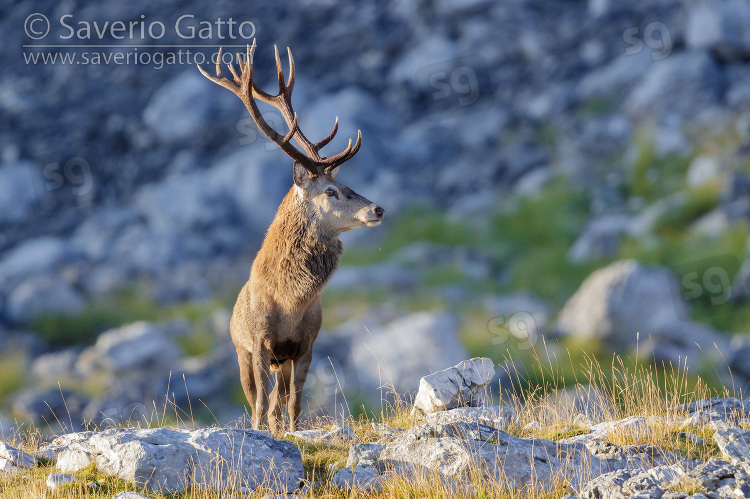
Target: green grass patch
12	373
108	312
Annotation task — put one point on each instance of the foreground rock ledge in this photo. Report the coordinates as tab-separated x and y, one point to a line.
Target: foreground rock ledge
169	461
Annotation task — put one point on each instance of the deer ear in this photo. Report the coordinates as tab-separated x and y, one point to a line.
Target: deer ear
301	175
333	172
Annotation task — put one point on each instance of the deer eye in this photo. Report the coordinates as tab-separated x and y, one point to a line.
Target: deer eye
331	191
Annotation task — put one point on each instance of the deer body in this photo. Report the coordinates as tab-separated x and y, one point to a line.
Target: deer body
278	312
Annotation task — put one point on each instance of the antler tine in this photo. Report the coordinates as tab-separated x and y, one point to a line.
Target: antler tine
243	85
345	155
290	82
280	72
322	143
219	72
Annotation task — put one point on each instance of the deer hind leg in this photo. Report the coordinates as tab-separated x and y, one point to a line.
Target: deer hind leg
261	372
300	367
247	379
279	397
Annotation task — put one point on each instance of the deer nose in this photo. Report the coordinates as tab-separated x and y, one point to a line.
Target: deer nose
379	212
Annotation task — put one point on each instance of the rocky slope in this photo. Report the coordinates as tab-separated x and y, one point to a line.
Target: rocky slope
462	448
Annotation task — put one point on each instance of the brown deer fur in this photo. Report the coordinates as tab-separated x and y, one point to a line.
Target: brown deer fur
278	312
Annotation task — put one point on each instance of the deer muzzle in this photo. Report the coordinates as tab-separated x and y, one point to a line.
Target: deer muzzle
372	215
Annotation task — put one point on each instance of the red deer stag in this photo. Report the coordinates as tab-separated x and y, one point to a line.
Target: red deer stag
278	312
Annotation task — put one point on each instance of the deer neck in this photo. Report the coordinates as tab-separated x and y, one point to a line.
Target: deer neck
298	254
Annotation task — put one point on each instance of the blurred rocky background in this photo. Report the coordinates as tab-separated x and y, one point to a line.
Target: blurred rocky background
562	179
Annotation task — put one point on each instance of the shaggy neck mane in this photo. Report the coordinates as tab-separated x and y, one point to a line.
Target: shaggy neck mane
297	256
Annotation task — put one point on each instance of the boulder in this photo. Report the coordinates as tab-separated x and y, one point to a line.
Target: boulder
135	346
129	495
33	257
364	452
739	355
184	107
169	461
17	457
464	384
600	238
57	480
396	354
17	191
632	482
496	416
633	427
722	27
734	444
43	295
335	434
364	478
681	83
511	461
714	409
50	406
617	302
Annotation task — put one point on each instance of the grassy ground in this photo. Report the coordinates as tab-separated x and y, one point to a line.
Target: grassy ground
620	391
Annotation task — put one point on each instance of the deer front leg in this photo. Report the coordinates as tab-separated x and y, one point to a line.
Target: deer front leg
279	397
245	359
300	368
262	381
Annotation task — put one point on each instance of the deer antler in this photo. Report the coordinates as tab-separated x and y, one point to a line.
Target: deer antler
244	87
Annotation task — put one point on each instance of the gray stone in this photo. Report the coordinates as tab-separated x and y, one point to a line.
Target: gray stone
335	434
639	483
600	238
380	275
53	365
43	295
183	108
459	429
641	457
734	444
365	451
680	83
739	356
364	478
169	461
35	256
464	384
6	467
50	407
615	78
711	473
702	170
385	431
129	495
137	345
17	457
183	204
57	480
17	190
723	27
497	416
633	427
619	301
400	352
512	461
713	409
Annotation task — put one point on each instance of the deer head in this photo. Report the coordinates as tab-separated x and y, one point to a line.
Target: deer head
335	207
